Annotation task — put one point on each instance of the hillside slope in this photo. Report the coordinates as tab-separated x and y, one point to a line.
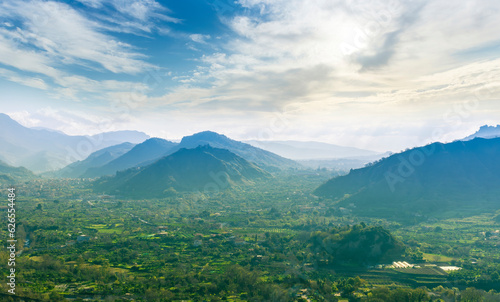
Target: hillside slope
438	178
262	158
200	169
12	175
95	160
150	150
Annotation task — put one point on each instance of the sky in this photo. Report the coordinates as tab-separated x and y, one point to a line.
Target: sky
383	75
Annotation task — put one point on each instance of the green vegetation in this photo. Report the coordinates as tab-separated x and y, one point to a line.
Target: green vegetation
9	174
267	241
434	181
203	169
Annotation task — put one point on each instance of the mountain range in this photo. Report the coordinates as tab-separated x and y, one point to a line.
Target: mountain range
262	158
93	161
141	154
203	168
154	149
462	176
42	150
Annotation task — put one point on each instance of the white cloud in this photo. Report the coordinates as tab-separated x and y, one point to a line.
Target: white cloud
23	59
92	3
73	122
24	80
403	75
388	38
199	38
54	38
55	35
133	16
364	73
64	34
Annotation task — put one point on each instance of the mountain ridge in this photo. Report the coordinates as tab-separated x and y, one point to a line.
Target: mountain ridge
42	150
10	175
94	160
433	179
203	168
149	150
262	158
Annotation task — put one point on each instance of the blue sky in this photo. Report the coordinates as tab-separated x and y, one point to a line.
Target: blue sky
381	75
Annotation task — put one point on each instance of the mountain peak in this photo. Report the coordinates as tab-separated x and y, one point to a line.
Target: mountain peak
485	131
205	136
203	168
154	140
253	154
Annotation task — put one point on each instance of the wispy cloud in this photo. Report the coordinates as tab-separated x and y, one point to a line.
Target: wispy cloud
294	51
136	16
58	31
199	38
388	67
51	38
34	82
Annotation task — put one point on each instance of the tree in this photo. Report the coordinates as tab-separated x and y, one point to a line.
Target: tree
472	295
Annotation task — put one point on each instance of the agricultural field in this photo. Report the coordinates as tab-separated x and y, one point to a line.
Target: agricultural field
269	244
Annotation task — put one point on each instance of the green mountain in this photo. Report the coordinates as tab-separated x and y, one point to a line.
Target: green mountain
262	158
150	150
203	168
439	179
11	175
96	159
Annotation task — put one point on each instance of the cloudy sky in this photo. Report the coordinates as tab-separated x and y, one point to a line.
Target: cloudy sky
378	74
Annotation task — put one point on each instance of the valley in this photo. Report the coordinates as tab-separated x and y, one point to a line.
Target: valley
268	241
214	219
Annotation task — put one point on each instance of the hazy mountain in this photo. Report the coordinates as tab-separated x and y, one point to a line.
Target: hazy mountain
43	150
297	150
263	158
203	168
146	152
342	164
118	137
462	176
12	175
96	159
485	132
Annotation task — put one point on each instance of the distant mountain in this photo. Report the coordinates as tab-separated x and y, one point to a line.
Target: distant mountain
43	150
342	164
13	175
459	177
297	150
117	137
485	132
203	169
141	154
263	158
95	160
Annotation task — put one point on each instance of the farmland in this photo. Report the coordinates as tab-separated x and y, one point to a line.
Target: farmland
246	245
